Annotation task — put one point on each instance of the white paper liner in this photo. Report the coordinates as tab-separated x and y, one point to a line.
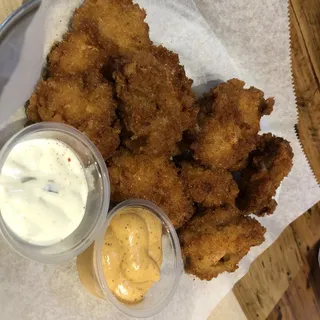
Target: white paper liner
216	40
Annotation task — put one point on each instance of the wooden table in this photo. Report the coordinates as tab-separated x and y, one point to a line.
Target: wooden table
282	282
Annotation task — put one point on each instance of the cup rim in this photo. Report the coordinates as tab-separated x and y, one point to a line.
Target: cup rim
90	237
98	259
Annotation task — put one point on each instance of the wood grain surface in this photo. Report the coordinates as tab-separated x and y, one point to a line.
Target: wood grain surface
305	36
284	282
298	277
302	299
7	6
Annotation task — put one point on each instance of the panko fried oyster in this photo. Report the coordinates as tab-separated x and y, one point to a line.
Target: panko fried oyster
217	240
150	106
151	178
84	102
209	187
268	165
229	120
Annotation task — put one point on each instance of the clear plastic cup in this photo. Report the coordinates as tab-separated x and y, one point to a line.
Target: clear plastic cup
161	293
97	202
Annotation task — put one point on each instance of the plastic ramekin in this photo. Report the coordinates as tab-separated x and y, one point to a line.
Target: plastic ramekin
161	293
98	197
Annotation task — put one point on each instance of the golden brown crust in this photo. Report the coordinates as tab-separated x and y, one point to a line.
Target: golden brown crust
101	30
77	53
181	83
119	22
84	103
209	187
268	165
150	178
150	107
216	241
229	121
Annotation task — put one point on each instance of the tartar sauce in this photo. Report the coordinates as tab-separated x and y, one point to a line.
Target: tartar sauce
43	191
132	253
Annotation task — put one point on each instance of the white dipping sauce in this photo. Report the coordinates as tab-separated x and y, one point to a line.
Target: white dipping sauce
43	191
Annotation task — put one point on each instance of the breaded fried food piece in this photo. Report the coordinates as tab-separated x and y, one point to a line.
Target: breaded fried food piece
119	22
216	241
209	187
100	31
84	103
76	53
229	120
150	178
150	109
268	165
181	83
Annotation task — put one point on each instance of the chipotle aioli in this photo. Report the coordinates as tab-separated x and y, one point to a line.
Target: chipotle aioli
132	253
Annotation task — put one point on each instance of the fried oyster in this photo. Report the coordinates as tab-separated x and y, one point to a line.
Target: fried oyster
209	187
151	178
152	108
229	121
268	165
216	241
85	103
119	23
